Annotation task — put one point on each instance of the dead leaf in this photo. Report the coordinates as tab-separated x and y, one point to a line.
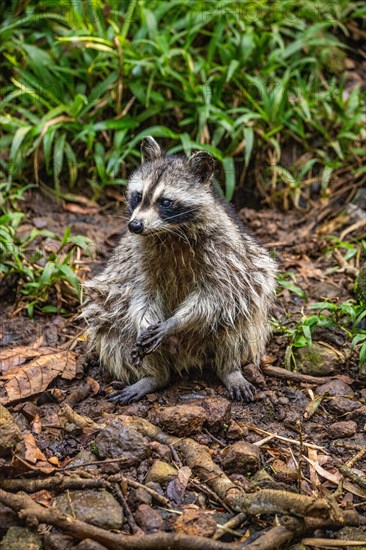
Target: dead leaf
43	497
13	357
36	424
176	488
35	376
313	406
32	452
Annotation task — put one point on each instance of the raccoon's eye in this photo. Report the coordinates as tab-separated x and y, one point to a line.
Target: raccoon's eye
166	202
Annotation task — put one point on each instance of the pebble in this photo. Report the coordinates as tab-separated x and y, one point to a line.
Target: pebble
17	538
317	360
342	405
241	458
182	420
196	523
148	519
95	506
218	411
342	429
335	387
9	432
117	440
161	472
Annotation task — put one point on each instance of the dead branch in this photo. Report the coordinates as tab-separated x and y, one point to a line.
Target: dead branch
279	372
58	483
34	514
264	501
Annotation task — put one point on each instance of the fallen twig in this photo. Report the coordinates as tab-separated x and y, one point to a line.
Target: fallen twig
229	525
281	437
29	510
333	543
279	372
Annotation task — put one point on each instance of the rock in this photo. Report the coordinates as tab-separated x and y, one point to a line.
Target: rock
235	431
282	471
117	440
342	405
317	360
142	496
20	537
182	420
196	523
342	429
89	544
148	519
262	478
162	450
9	432
241	458
253	374
83	457
54	540
97	507
218	411
161	472
335	387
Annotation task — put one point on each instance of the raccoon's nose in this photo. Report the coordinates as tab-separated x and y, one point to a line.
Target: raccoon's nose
135	226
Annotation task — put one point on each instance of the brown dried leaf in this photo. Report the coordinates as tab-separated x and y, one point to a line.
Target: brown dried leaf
36	424
32	452
176	488
12	358
36	375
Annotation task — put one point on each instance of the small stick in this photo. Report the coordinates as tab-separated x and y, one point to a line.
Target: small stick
214	438
135	529
281	437
94	463
332	543
353	476
229	525
136	485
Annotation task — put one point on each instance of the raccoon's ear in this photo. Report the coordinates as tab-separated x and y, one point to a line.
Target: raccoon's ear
202	165
150	150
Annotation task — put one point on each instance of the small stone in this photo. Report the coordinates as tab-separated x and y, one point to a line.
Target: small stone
97	507
83	457
335	387
89	544
218	411
162	450
262	477
317	360
241	458
148	519
9	432
282	471
342	429
182	420
196	523
342	405
20	537
161	472
253	374
142	496
117	440
235	431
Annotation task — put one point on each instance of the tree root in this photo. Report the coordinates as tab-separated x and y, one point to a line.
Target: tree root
263	501
28	509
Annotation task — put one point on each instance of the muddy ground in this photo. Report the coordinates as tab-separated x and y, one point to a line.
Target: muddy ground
74	451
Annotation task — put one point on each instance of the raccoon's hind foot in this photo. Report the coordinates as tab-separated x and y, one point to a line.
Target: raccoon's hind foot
136	391
239	388
148	341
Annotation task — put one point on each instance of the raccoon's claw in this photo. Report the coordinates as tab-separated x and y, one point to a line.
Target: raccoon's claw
125	396
150	339
137	356
242	392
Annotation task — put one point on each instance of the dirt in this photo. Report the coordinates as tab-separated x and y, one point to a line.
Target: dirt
322	424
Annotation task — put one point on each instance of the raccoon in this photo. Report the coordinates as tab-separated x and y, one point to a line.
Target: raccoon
186	286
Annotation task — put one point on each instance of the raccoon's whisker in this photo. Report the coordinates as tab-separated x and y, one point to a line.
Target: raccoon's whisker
182	213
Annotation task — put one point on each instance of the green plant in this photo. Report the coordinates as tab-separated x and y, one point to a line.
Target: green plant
83	84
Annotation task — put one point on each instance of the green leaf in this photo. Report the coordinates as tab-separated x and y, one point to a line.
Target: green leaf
229	169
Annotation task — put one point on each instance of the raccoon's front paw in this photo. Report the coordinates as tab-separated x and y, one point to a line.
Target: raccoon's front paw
148	341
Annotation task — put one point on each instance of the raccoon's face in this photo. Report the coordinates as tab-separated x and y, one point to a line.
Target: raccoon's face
168	193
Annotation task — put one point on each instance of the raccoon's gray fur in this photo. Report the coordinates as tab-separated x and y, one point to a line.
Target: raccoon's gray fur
185	287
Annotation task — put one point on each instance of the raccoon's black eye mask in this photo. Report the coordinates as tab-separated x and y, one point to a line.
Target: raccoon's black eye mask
135	200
